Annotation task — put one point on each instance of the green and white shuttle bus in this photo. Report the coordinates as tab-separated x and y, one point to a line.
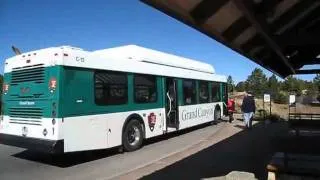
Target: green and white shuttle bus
65	99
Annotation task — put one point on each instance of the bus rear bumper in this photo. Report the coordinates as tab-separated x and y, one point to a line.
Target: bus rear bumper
43	145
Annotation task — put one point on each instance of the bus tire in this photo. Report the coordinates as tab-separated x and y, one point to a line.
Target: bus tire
217	113
132	136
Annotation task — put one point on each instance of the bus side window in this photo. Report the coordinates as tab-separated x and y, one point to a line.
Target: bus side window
189	92
203	92
145	88
111	88
215	92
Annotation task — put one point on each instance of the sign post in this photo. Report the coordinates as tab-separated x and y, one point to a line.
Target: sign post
267	99
292	99
292	102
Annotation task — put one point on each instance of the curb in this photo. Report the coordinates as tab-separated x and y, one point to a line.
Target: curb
167	155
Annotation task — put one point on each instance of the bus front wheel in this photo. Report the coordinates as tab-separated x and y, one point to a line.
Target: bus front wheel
132	135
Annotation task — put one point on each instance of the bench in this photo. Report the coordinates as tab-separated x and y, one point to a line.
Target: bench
293	166
300	121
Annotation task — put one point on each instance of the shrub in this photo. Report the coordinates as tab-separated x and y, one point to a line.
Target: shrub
280	98
261	113
273	117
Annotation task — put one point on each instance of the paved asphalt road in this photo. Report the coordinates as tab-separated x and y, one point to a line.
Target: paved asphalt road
17	163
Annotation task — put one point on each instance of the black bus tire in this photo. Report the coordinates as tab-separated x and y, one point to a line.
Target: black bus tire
132	136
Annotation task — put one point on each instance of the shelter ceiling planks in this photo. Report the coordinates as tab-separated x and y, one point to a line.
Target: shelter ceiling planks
280	35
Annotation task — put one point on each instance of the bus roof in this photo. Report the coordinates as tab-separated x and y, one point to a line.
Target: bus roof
156	57
129	58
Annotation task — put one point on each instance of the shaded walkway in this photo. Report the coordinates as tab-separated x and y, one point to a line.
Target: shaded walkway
248	151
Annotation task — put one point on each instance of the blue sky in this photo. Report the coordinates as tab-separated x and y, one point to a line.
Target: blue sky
92	25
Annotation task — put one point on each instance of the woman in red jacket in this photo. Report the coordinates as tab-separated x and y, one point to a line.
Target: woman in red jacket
231	109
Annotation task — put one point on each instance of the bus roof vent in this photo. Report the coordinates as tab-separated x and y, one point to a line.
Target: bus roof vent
70	47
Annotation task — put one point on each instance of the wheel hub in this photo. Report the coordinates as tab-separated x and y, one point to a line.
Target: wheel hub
133	136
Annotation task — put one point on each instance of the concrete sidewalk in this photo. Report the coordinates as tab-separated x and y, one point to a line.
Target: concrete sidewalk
230	149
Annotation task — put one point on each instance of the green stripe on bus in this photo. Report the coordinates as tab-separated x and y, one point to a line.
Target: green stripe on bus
74	95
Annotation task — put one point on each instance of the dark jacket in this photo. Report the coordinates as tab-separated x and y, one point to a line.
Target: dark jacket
248	104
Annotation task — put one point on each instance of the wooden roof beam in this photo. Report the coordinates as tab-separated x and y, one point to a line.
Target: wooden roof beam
261	27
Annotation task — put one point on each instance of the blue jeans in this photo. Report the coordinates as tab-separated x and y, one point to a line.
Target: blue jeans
247	118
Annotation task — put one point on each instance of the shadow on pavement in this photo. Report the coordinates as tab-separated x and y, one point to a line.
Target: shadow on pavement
65	160
240	127
72	159
304	144
248	150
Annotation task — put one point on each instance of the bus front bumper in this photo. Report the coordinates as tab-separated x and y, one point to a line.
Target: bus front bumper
43	145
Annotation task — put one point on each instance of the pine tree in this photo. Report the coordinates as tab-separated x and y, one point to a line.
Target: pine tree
257	82
292	84
230	84
273	84
241	86
316	81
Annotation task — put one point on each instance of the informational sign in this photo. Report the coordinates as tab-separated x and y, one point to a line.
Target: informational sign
292	99
266	98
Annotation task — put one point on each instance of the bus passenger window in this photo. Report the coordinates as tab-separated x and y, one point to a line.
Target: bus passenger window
145	89
111	88
215	92
189	92
203	92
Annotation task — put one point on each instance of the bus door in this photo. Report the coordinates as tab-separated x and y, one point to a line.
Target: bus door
225	98
171	103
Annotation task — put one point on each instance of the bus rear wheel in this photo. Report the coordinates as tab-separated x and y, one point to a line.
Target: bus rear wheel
132	135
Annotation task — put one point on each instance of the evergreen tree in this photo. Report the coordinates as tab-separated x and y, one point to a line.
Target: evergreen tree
292	84
311	88
257	82
230	84
1	82
273	84
316	81
241	86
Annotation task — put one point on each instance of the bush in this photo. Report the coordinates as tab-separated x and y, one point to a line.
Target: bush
273	117
280	98
264	115
261	113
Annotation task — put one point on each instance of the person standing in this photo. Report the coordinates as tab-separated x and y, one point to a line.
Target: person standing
248	108
231	109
